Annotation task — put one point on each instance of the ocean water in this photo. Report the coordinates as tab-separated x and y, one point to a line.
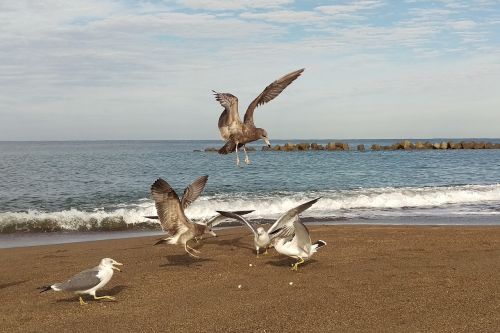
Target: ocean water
104	185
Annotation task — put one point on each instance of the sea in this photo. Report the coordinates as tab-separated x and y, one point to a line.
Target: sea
58	191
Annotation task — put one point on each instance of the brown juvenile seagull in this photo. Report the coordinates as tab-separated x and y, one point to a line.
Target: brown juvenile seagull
237	133
171	212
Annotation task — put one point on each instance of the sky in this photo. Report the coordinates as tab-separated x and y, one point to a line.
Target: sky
123	69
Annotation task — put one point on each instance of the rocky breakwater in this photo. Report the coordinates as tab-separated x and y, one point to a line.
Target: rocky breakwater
401	145
419	145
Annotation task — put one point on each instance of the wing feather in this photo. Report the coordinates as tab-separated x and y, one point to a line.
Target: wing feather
82	281
302	235
193	191
270	93
169	209
240	218
217	219
285	225
230	104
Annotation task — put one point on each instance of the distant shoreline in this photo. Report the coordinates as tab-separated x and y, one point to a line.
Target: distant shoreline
401	145
274	139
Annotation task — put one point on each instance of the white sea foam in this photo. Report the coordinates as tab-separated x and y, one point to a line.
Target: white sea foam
365	203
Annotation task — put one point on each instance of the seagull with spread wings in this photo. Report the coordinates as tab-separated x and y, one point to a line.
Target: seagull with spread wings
289	236
211	222
170	211
237	133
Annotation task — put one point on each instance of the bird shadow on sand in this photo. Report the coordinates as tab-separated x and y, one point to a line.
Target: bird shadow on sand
108	292
184	260
11	284
233	242
288	262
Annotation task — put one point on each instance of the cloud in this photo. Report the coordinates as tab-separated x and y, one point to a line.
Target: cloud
87	66
350	8
220	5
284	16
462	24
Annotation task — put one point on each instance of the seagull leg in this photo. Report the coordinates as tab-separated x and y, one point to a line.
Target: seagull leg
237	157
266	253
247	160
104	297
194	250
82	302
257	251
192	255
295	266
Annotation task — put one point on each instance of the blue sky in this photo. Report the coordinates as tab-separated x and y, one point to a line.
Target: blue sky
100	69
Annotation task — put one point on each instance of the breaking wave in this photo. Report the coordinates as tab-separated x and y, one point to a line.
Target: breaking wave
369	203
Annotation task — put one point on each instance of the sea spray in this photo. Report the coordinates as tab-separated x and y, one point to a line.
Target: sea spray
365	203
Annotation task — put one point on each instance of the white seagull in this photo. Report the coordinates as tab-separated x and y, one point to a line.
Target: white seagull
287	238
88	281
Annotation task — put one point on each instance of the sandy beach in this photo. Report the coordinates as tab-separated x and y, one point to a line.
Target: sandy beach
368	278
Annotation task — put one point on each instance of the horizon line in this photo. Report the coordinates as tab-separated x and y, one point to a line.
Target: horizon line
288	139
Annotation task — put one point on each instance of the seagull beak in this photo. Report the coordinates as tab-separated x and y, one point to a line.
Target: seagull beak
213	233
116	268
266	140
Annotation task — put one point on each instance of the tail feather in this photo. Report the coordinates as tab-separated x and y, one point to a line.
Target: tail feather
44	288
229	147
320	243
316	245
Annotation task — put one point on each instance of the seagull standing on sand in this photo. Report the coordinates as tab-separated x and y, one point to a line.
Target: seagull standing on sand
88	281
171	212
237	133
289	236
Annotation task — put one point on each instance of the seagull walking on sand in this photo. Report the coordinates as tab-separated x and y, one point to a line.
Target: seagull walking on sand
171	213
237	133
88	281
288	235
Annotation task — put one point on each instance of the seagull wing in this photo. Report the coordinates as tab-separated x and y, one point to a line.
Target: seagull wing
82	281
270	93
230	116
284	227
169	209
193	191
302	235
238	217
217	219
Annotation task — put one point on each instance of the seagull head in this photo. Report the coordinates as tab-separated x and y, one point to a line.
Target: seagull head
260	231
108	262
263	135
209	230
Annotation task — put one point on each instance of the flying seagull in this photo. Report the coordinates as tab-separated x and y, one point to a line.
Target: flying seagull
88	281
262	238
171	212
212	222
237	133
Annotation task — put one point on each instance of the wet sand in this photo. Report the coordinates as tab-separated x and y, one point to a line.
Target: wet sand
368	278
